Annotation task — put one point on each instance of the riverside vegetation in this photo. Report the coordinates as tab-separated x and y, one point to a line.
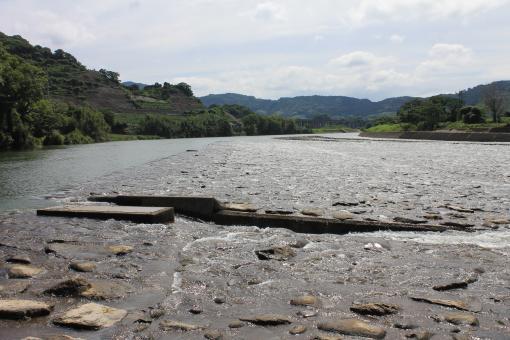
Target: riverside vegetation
50	98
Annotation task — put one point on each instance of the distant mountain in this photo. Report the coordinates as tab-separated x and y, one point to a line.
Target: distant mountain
474	95
306	106
140	86
338	106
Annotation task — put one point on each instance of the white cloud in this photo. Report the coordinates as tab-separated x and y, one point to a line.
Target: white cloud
398	39
277	48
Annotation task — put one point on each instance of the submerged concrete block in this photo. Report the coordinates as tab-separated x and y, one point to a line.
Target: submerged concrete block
130	213
314	225
194	206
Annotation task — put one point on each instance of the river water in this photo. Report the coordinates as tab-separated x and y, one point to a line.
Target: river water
28	179
185	266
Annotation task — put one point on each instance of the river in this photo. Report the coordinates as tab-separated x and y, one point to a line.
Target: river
29	178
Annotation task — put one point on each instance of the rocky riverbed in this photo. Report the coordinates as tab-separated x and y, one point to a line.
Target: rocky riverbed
91	279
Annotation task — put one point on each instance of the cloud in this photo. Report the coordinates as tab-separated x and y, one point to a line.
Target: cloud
268	11
446	58
398	39
277	48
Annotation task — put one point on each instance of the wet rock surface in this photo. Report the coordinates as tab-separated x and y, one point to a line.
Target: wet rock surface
173	269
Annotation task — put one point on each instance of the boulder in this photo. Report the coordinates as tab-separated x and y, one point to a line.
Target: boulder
312	212
19	309
353	327
72	287
23	271
343	215
304	300
23	259
91	316
461	319
443	302
280	253
120	249
267	319
168	325
378	309
298	329
83	266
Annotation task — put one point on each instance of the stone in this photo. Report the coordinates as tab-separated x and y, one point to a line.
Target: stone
405	325
459	208
72	287
432	217
120	249
213	334
84	267
343	215
300	243
22	259
456	224
91	316
281	253
23	271
243	207
312	212
499	221
408	220
168	325
345	204
19	309
307	313
298	329
443	302
461	319
304	300
236	324
156	313
267	319
378	309
353	327
455	284
219	300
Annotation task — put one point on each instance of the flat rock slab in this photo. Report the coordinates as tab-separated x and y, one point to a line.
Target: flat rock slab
353	327
457	304
378	309
91	316
22	271
267	319
19	309
130	213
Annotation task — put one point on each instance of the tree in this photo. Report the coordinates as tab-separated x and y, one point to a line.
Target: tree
495	102
110	75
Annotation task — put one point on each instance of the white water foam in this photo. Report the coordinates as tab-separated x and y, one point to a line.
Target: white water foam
496	239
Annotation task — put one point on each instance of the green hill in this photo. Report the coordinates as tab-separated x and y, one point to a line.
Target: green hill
71	82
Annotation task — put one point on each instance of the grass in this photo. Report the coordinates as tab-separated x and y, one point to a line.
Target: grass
333	128
115	137
389	128
469	127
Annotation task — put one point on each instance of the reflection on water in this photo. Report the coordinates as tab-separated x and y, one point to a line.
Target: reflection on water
28	178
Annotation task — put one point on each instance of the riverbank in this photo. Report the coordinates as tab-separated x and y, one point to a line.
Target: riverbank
190	279
444	136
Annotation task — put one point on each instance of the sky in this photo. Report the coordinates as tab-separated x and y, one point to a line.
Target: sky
279	48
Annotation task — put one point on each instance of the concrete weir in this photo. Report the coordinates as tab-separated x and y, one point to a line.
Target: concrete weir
141	214
208	208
